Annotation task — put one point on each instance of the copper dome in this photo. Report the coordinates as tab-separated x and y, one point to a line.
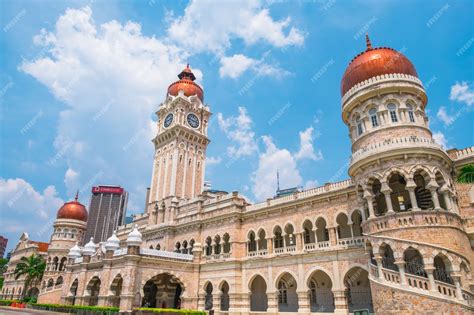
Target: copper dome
186	84
373	62
73	210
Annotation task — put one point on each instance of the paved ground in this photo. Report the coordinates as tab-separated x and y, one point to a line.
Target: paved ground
4	310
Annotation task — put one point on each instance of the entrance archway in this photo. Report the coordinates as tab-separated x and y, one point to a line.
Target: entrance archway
258	296
93	289
287	296
162	291
358	292
321	296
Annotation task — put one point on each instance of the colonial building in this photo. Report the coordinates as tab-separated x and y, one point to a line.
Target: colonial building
13	288
394	237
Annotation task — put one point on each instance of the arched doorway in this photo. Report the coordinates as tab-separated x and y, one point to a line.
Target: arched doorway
379	203
399	194
73	292
287	296
388	260
115	291
258	295
442	270
208	302
414	262
93	289
224	296
359	296
343	228
423	195
162	291
321	296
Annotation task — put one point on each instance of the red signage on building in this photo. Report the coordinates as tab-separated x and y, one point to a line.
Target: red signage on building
107	190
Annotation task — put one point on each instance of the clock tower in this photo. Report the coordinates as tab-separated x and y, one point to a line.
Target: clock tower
180	145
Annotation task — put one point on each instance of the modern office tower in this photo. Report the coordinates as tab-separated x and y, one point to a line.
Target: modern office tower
106	212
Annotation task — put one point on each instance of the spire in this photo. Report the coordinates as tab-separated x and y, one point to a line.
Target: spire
77	195
278	181
367	42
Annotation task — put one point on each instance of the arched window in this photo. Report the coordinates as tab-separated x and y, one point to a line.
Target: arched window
411	115
278	238
360	129
208	246
252	243
282	293
373	117
392	108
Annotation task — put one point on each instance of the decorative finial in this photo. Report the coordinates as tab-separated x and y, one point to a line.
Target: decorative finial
77	195
367	41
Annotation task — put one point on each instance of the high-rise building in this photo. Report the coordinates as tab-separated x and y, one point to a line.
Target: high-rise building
106	211
3	245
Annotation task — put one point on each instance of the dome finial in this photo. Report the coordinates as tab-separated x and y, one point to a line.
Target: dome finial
367	42
77	195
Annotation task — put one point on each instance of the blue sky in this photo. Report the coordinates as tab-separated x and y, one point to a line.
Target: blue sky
80	81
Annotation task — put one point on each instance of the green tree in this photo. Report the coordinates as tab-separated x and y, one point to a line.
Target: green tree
3	268
32	268
466	174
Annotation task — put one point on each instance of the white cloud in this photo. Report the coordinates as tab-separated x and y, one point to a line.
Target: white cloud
462	92
273	159
440	139
306	147
24	209
210	160
234	66
239	130
211	26
71	179
444	116
111	78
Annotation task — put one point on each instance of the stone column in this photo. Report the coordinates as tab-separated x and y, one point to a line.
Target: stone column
447	200
299	242
272	298
350	227
429	270
388	200
401	270
411	191
341	302
216	300
303	302
457	282
332	235
270	245
432	187
378	259
370	205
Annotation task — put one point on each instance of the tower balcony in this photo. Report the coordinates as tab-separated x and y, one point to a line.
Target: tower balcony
392	146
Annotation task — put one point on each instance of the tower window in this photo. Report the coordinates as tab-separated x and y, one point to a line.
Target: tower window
393	112
373	117
411	115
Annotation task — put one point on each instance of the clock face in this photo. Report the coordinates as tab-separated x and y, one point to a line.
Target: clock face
193	120
168	120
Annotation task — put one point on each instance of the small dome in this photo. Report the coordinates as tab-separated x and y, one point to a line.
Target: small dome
75	251
134	237
186	84
90	248
73	210
112	243
373	62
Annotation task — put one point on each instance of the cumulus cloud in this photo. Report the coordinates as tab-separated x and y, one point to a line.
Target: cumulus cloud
211	160
463	93
23	209
274	159
441	139
110	78
238	129
306	146
234	66
211	26
444	116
